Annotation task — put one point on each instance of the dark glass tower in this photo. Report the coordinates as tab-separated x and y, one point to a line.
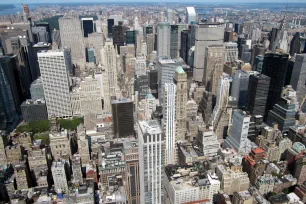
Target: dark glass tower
275	65
258	93
184	45
110	23
130	37
88	26
118	37
173	41
123	118
295	44
153	86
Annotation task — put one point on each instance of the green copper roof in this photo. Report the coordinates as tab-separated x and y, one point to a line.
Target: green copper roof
179	69
149	95
298	147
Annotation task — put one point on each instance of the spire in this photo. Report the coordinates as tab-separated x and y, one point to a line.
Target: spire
282	25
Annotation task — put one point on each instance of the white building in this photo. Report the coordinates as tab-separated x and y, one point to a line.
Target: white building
144	49
170	16
72	37
151	161
231	51
110	83
163	39
59	176
140	66
168	122
96	41
191	15
209	143
150	106
239	137
86	97
136	23
116	18
55	67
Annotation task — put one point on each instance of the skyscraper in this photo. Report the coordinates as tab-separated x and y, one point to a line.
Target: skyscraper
136	23
150	43
184	45
274	66
295	44
72	37
140	66
191	15
213	67
55	69
180	80
118	37
151	161
110	86
170	16
174	41
87	26
123	118
169	123
240	88
163	39
130	37
206	34
96	41
298	77
258	89
110	24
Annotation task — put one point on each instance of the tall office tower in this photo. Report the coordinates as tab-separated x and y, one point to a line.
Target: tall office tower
163	40
206	34
150	105
118	37
245	53
59	176
166	70
90	55
180	80
136	23
221	100
83	148
170	16
295	44
110	24
26	12
40	34
239	137
140	66
213	67
9	99
274	66
56	39
258	63
71	32
47	26
96	41
173	41
240	88
273	38
153	82
192	33
116	18
151	161
289	71
283	113
55	69
150	43
258	89
161	17
191	15
139	39
123	118
110	86
231	52
180	28
184	45
141	85
86	97
130	37
144	49
281	41
298	77
169	123
131	155
147	29
257	50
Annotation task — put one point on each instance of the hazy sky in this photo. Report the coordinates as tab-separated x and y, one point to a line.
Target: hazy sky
189	1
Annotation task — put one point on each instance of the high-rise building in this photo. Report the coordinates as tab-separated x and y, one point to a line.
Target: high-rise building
117	34
258	89
191	15
184	45
166	70
130	37
240	88
295	44
173	41
37	89
169	123
163	39
298	77
140	66
206	34
40	34
60	144
153	82
239	137
257	50
274	66
90	55
151	161
136	23
110	86
116	18
34	110
72	37
213	67
59	176
231	52
170	16
110	24
96	41
123	117
258	63
55	69
47	26
208	143
180	80
150	43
